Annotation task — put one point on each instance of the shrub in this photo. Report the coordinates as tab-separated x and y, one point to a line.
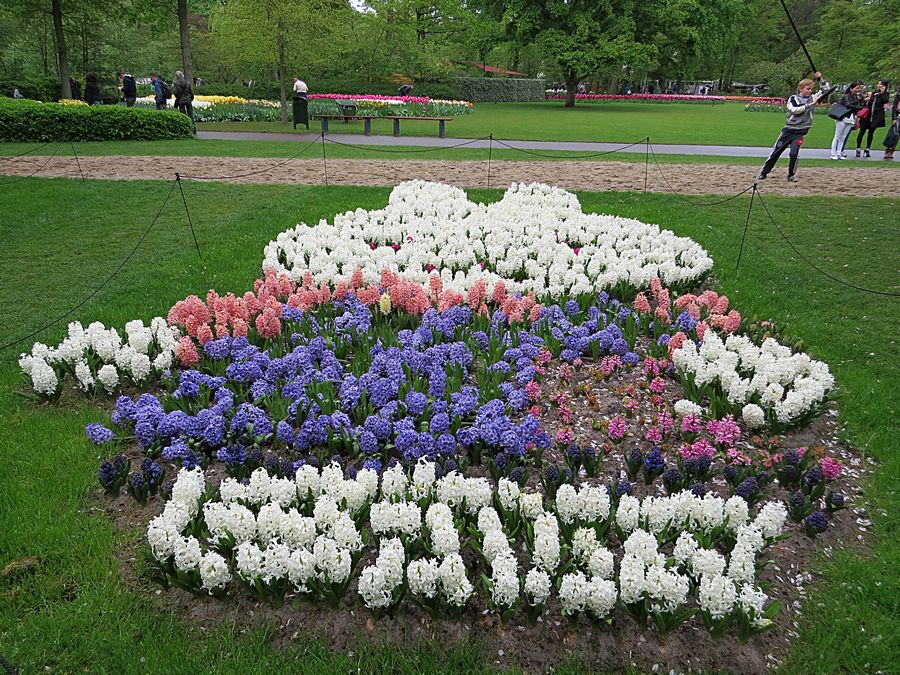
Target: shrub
48	122
489	90
38	87
445	89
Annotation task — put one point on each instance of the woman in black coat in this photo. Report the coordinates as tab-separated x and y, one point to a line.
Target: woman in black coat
92	90
875	102
895	121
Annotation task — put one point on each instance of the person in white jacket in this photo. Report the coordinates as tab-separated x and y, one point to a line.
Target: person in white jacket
800	108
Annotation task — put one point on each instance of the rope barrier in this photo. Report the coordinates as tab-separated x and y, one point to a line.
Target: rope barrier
691	201
436	148
813	265
588	156
27	152
101	286
252	173
36	171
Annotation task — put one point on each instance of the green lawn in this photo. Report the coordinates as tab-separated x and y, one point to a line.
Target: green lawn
677	123
74	612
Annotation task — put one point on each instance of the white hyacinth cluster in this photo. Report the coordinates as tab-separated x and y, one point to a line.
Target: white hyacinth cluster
535	233
100	358
765	384
307	535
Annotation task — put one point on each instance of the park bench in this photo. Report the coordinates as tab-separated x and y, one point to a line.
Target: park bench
439	120
367	121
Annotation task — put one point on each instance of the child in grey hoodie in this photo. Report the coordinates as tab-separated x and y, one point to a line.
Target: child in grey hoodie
800	107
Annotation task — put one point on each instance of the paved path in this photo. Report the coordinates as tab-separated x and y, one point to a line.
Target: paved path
545	146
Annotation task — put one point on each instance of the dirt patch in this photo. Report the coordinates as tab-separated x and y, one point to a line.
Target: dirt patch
590	176
544	646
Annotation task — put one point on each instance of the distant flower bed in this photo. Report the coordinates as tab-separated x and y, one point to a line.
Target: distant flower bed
382	106
777	105
642	98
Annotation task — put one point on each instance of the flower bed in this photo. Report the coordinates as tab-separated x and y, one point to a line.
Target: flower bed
412	444
536	238
777	105
641	98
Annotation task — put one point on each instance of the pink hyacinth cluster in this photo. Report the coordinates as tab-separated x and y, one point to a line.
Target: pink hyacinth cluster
711	310
725	431
616	428
699	448
831	468
691	424
610	364
372	97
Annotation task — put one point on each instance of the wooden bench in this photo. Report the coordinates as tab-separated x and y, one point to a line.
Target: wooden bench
367	121
439	120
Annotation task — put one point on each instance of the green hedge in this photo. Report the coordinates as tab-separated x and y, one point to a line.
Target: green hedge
39	87
444	89
491	90
30	121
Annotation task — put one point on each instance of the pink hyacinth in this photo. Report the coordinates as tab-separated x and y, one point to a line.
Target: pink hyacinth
186	352
676	341
616	428
498	294
565	436
701	330
737	458
831	468
654	435
732	321
641	304
725	431
657	385
691	424
533	389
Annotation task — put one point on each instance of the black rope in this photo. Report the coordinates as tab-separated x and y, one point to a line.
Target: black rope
588	156
38	170
816	267
75	155
251	173
27	152
490	152
797	33
405	152
188	212
324	160
101	286
746	227
10	670
692	201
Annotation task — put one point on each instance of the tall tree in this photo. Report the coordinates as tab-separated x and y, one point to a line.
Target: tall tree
581	37
61	51
184	34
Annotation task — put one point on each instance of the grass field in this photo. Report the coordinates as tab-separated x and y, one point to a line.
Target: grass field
677	123
72	611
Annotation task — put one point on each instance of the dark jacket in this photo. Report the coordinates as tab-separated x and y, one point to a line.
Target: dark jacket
129	87
183	92
853	102
158	91
875	104
91	92
895	107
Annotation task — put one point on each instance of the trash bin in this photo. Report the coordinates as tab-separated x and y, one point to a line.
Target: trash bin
301	110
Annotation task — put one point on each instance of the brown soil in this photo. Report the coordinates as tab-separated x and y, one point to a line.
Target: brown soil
592	176
544	646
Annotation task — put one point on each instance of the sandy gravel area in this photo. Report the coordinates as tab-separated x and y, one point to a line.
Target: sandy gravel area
842	180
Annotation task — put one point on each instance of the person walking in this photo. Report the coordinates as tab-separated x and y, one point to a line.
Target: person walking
895	128
874	119
184	95
92	90
159	91
129	88
75	87
798	122
842	127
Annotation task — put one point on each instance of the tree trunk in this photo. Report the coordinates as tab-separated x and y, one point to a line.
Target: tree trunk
187	61
62	56
571	88
281	74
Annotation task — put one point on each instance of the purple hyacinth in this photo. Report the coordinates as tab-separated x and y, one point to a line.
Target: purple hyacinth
748	489
699	490
816	523
99	434
368	443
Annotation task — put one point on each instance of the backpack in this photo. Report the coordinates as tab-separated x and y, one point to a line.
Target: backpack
167	93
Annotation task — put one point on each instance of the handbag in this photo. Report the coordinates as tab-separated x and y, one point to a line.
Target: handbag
838	111
862	113
891	137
